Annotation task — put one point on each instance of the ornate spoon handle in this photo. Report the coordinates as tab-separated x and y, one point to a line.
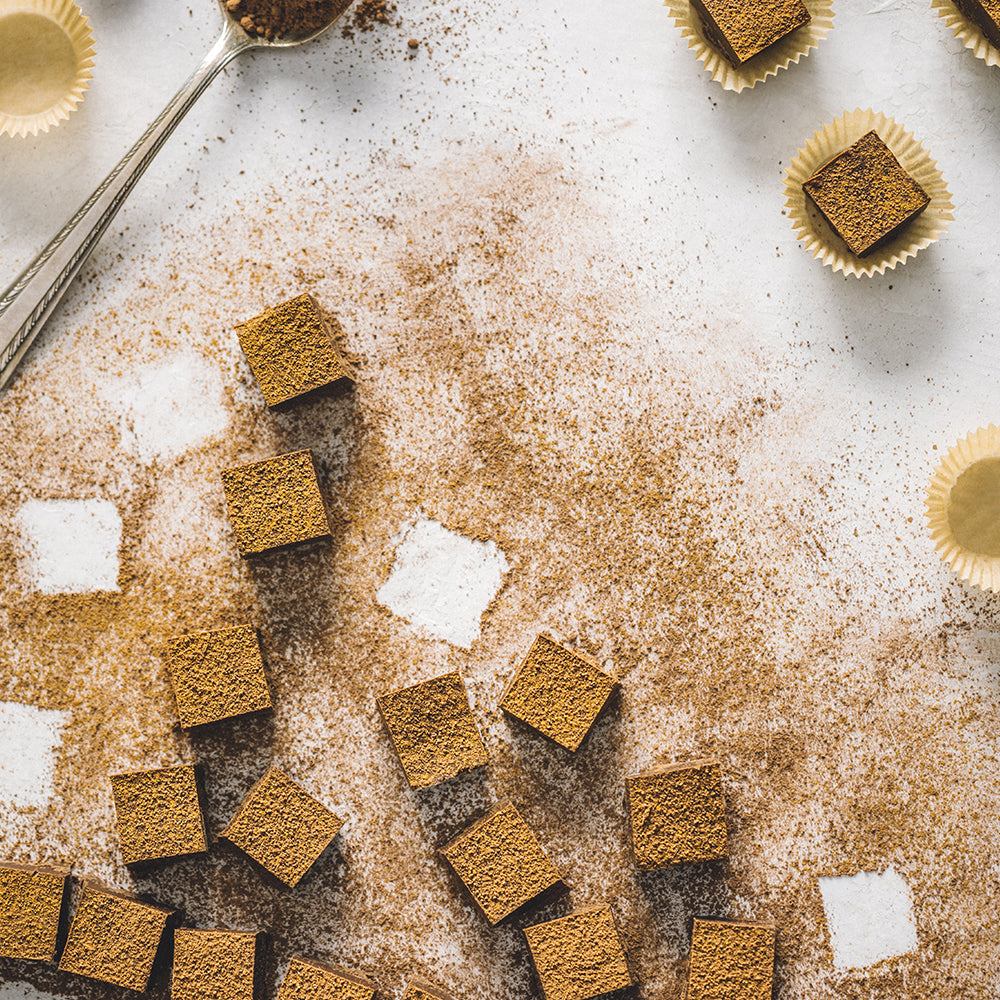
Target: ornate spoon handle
27	304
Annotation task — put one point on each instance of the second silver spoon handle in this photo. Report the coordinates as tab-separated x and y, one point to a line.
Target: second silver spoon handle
26	305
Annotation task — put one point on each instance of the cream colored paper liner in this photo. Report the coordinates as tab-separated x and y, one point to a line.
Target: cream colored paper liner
968	31
819	236
56	78
780	55
965	522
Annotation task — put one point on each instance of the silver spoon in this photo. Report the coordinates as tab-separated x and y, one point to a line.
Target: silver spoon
29	301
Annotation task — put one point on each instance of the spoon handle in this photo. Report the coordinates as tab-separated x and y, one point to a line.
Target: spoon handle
26	305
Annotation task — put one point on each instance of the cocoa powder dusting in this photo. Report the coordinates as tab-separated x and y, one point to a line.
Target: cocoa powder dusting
285	18
523	377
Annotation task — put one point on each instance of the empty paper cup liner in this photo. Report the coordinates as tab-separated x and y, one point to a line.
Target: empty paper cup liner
46	51
963	508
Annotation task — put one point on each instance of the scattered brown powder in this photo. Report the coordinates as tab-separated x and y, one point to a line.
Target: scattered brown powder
114	938
217	675
677	813
282	827
865	194
501	863
432	730
579	956
275	503
307	980
216	965
368	13
558	692
31	904
731	960
158	814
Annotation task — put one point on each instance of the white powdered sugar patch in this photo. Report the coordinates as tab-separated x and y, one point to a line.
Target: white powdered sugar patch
869	916
167	409
29	738
70	546
442	582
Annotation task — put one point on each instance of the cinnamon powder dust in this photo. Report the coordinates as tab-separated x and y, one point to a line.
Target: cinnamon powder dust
524	376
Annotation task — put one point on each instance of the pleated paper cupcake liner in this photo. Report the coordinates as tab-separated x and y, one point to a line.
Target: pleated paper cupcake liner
819	236
46	70
778	56
963	508
968	31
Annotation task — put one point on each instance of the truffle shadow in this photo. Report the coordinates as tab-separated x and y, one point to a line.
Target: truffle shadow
228	752
699	889
447	808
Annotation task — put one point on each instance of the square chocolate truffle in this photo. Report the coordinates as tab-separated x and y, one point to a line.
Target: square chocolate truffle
217	675
217	965
114	937
291	350
422	989
159	813
677	813
558	692
31	907
985	14
432	730
741	29
866	195
579	956
275	503
501	863
307	980
282	827
731	960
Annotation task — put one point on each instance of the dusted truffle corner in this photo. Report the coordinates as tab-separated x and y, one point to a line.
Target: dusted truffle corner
114	937
866	195
741	29
291	350
31	906
217	675
985	14
432	730
500	862
159	814
217	965
677	813
308	980
558	692
275	503
422	989
731	960
579	956
282	828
